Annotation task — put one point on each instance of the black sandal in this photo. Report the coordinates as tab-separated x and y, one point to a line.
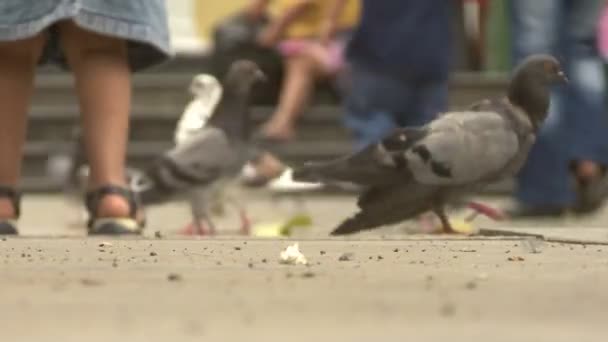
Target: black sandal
130	225
591	194
9	226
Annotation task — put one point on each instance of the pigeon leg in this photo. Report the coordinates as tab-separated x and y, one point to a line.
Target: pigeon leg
200	214
245	222
445	223
480	208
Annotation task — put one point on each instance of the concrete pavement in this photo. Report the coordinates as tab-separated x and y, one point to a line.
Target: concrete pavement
391	287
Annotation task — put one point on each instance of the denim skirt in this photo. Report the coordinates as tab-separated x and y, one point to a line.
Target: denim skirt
142	23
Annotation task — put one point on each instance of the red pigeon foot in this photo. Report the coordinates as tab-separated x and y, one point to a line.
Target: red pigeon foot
492	213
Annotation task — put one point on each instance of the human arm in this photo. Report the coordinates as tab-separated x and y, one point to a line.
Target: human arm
257	8
330	23
277	27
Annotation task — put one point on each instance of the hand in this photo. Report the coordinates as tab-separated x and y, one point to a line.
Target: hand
268	38
256	10
328	30
253	13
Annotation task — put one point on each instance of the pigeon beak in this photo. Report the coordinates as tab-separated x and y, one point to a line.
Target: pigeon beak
260	76
562	77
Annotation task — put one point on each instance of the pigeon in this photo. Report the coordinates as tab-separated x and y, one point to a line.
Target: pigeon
422	169
211	157
207	91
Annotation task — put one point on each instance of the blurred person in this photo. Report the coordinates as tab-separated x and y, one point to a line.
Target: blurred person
573	145
102	42
399	58
311	36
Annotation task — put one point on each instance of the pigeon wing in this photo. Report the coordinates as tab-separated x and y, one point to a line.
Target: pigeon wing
201	159
372	166
462	148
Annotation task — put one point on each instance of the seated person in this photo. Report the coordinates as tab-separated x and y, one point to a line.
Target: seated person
311	36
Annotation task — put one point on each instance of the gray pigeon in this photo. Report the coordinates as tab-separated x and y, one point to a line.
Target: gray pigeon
212	156
420	169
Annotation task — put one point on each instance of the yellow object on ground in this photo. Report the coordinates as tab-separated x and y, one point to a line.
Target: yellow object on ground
283	228
463	227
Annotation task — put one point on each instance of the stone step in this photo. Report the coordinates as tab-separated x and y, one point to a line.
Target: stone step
159	98
142	153
158	122
171	88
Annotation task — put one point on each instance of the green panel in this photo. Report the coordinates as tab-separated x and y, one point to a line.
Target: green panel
498	37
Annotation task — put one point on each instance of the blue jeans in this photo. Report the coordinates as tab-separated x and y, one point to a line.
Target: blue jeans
576	128
377	103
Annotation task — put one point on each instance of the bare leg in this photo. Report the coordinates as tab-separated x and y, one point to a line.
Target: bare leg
18	61
103	82
445	223
301	74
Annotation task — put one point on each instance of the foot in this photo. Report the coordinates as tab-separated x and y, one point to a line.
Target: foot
591	187
492	213
523	211
262	171
193	229
278	131
114	210
9	212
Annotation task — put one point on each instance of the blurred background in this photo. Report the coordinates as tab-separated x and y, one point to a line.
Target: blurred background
161	94
205	39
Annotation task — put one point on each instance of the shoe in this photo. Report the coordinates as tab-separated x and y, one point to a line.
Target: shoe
131	225
522	211
591	195
285	183
9	226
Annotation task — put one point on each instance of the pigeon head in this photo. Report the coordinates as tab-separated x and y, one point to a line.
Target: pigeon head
530	86
242	75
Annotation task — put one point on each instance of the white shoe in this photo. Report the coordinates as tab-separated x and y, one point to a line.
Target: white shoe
286	183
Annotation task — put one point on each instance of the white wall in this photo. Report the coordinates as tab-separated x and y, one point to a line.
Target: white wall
184	36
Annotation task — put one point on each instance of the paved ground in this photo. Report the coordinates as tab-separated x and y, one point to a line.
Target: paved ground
392	287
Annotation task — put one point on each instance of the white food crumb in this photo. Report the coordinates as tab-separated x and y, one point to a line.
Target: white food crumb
292	256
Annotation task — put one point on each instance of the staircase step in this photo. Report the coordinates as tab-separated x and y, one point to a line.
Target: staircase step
159	98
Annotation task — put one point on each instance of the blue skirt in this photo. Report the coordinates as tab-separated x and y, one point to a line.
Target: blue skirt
142	23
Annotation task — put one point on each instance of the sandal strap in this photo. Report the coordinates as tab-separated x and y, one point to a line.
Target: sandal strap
93	198
14	196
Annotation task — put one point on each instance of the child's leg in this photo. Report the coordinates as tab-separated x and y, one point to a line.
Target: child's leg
304	66
18	60
103	84
301	72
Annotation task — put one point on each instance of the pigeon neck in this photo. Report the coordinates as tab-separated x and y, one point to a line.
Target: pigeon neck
530	95
232	114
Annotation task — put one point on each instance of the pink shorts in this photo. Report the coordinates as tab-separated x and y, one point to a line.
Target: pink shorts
332	55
